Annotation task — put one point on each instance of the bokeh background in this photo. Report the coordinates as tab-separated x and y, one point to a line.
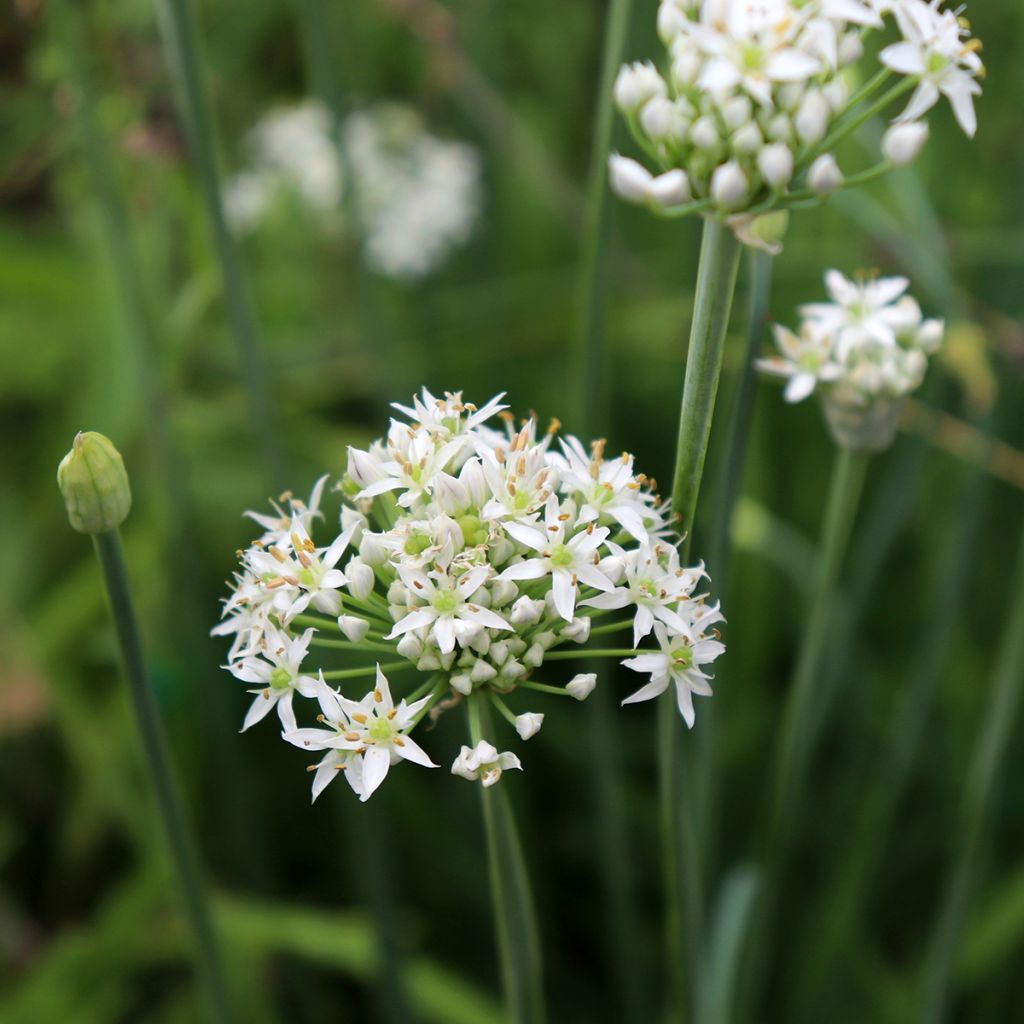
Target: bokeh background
113	318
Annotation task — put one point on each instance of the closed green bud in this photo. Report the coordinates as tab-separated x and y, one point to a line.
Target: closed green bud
94	483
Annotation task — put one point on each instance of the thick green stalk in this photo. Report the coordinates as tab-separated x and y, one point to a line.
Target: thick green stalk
716	283
514	919
183	55
975	813
172	813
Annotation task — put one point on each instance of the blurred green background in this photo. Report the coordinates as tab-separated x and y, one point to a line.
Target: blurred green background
88	926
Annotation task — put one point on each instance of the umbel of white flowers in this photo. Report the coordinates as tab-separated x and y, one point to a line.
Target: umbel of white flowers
863	352
415	197
468	560
756	95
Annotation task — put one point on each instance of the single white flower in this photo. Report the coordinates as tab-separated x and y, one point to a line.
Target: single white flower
805	360
279	672
448	609
679	661
529	724
569	561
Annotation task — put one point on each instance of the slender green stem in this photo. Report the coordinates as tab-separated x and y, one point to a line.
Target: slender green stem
716	282
715	544
611	627
590	356
589	652
182	46
555	691
368	670
368	646
175	822
514	918
975	812
801	722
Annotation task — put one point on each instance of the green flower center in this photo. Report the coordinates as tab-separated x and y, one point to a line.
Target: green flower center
305	577
682	658
561	557
522	500
444	601
417	543
380	730
752	57
935	63
280	679
473	531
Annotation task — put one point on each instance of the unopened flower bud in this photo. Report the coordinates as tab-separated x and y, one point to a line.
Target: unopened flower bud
462	683
851	48
534	657
811	120
824	177
748	139
836	93
529	724
635	85
775	162
360	578
371	550
902	143
629	180
353	627
729	186
482	672
526	611
363	467
451	494
578	630
686	65
410	646
737	112
398	594
704	133
512	669
671	188
672	21
662	122
94	483
471	476
582	685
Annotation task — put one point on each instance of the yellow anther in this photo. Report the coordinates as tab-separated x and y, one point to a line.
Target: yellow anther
276	553
378	696
359	717
351	736
398	741
392	713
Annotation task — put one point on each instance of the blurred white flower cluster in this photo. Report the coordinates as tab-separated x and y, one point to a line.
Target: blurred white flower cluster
757	95
467	559
415	197
864	350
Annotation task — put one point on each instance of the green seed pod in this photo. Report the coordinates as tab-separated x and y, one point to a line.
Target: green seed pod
94	483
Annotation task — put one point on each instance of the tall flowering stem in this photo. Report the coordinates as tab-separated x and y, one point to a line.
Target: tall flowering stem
183	55
975	813
175	821
515	921
716	283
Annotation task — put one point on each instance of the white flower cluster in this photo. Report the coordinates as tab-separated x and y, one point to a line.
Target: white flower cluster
415	196
863	350
757	97
473	556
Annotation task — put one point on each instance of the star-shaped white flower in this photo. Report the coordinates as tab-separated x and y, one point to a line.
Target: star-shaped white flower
679	661
279	673
568	561
655	583
806	358
448	609
367	737
278	526
934	52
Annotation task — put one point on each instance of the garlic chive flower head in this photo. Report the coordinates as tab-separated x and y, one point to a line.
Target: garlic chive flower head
744	113
472	556
863	352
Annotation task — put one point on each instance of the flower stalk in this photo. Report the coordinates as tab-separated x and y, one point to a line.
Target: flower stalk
514	918
175	822
716	282
180	39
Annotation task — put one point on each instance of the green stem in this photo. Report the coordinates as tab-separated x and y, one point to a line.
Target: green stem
514	918
367	646
716	282
368	670
181	43
716	547
589	652
975	812
801	722
555	691
147	719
